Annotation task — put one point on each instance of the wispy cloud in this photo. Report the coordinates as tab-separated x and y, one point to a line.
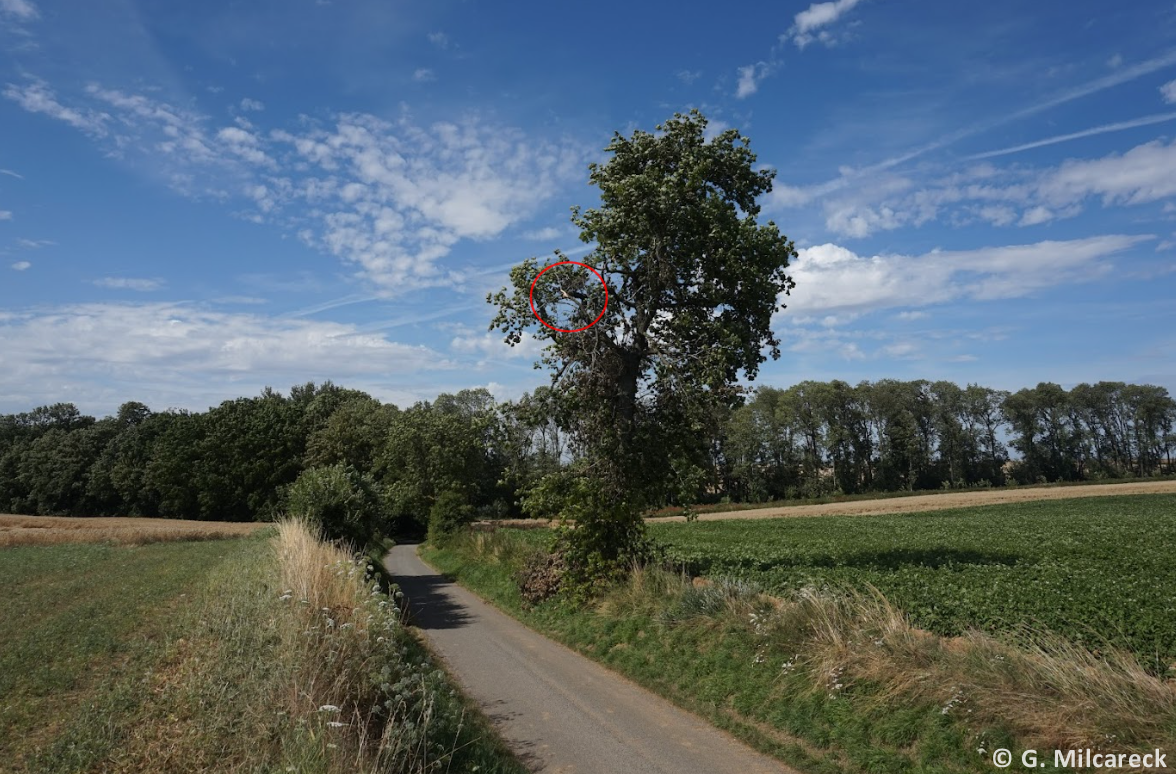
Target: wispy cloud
688	77
22	10
389	197
544	234
424	75
10	173
37	97
1168	92
807	25
5	214
21	265
793	196
749	79
1104	129
130	283
439	39
34	244
252	105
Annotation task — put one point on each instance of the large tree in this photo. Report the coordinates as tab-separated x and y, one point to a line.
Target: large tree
693	280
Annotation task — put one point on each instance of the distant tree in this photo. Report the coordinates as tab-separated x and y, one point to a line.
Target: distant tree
693	281
354	434
445	446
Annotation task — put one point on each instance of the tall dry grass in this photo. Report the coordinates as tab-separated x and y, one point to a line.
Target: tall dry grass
1048	692
361	677
294	659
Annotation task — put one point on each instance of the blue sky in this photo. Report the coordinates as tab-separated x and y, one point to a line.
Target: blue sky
198	200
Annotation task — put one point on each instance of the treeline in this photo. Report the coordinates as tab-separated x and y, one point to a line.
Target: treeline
818	438
366	466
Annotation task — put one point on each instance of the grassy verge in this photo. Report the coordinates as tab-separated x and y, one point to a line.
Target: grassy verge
261	654
830	675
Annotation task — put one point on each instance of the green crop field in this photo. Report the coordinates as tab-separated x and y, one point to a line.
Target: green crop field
1096	571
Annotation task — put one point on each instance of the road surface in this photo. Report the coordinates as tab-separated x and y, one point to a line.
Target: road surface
560	712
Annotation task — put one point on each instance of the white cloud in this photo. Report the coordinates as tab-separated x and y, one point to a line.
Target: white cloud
749	79
858	221
130	283
37	97
439	39
1036	216
188	355
424	75
22	10
807	24
5	214
1001	196
34	244
544	234
416	191
1115	61
714	127
1168	92
833	280
389	197
492	346
903	350
997	214
245	146
254	105
10	173
911	315
1143	174
688	77
21	265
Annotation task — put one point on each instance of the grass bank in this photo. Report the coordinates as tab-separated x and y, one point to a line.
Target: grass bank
270	653
788	642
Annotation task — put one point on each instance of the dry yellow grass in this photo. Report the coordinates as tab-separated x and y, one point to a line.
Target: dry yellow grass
938	501
53	530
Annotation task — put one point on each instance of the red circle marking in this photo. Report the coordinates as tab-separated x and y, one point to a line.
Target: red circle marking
566	330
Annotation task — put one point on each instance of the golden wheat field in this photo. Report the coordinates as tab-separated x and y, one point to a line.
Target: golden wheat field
52	530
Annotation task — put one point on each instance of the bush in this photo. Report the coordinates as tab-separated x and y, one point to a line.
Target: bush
340	500
541	577
450	512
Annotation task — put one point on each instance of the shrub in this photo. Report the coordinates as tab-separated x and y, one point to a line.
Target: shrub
541	577
339	500
450	512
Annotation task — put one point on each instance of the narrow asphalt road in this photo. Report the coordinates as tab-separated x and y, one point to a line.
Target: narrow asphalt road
560	711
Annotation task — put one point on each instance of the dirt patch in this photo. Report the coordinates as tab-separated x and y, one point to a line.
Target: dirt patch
53	530
940	501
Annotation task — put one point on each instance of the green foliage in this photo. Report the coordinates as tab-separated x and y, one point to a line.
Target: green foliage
450	512
693	281
1085	568
433	448
340	500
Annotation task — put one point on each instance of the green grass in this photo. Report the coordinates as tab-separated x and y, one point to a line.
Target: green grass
1097	571
184	657
849	686
79	624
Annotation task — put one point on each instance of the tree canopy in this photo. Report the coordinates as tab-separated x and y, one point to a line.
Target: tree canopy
693	281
